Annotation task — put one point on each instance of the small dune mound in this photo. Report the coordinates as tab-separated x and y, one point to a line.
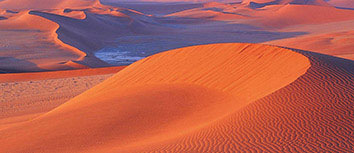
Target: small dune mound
160	98
211	11
342	3
289	15
263	3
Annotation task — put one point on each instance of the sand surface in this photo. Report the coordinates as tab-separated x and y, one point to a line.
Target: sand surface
206	103
25	95
214	98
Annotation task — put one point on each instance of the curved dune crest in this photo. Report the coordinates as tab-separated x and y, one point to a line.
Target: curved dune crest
160	98
262	3
342	3
312	114
289	15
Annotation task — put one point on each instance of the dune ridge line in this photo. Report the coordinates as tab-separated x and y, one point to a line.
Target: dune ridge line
160	98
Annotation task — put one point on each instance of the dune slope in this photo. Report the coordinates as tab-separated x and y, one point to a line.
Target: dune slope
312	114
159	99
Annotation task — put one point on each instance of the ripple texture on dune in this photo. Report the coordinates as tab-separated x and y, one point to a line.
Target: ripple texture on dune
209	98
312	114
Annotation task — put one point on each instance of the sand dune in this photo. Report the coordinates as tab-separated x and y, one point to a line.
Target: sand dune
289	15
214	98
263	3
144	105
312	114
29	24
342	3
31	27
279	14
338	43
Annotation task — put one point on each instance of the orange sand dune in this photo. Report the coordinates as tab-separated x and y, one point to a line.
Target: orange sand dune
290	15
342	3
209	98
158	99
206	14
212	10
26	21
339	44
284	2
312	114
60	55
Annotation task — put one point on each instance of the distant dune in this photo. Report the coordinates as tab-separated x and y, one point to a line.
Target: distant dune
64	35
262	3
209	98
342	3
290	15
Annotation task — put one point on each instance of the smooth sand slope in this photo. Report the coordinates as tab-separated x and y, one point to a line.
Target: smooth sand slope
160	99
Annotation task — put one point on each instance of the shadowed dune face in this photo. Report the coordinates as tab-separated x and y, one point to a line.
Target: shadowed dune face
10	65
160	98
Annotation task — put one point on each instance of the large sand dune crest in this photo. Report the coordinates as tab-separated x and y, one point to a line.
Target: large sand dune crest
143	104
312	114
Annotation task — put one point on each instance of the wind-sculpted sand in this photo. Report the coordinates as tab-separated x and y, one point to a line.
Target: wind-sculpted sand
143	105
312	114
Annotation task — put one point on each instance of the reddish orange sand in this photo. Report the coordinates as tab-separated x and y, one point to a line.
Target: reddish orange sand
222	97
209	98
